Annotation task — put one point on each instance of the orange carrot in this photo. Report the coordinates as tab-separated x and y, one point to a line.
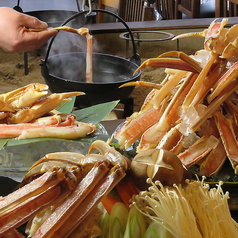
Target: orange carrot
108	203
126	189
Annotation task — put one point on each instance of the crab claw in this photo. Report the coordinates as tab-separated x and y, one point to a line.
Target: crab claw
198	34
41	107
184	57
224	81
110	153
229	139
22	97
167	63
142	84
230	51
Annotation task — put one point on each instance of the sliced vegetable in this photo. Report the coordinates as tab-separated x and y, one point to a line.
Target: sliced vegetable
136	224
156	230
104	225
118	220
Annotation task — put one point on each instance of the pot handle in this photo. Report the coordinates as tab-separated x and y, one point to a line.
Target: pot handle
135	57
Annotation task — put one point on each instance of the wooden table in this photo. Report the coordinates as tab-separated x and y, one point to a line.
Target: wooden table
118	27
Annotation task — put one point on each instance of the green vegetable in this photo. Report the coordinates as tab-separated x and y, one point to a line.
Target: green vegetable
156	230
136	224
118	220
104	225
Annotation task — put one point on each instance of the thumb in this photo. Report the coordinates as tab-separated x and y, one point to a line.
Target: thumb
33	22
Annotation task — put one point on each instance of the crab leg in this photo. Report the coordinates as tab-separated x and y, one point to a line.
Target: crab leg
69	129
12	234
142	84
233	109
27	209
65	132
170	139
89	59
216	103
132	130
41	107
81	31
35	187
231	74
66	209
214	160
28	199
198	83
198	150
154	134
110	153
208	83
184	57
24	96
15	130
230	51
166	89
82	211
167	63
228	138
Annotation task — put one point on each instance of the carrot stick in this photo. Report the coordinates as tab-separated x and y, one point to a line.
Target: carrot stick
126	189
108	203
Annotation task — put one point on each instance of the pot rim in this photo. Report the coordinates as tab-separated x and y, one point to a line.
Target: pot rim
44	65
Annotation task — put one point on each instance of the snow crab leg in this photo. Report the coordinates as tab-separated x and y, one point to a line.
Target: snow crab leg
68	188
41	107
80	31
189	98
22	97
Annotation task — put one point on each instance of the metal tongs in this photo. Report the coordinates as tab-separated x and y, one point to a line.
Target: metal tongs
89	5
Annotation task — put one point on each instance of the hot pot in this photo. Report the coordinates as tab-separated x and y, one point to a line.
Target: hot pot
66	72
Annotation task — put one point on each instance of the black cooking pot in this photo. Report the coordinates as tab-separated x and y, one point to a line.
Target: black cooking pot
67	72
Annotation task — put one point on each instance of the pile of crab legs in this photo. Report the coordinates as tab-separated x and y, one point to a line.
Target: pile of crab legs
59	195
193	112
28	112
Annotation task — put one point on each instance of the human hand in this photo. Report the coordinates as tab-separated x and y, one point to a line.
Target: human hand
13	37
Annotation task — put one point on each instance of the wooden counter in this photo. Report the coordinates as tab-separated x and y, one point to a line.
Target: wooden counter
118	27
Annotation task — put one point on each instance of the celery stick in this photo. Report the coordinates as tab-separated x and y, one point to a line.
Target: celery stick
136	224
156	230
118	220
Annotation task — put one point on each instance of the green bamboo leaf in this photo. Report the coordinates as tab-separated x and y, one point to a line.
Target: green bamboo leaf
96	113
67	107
3	142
